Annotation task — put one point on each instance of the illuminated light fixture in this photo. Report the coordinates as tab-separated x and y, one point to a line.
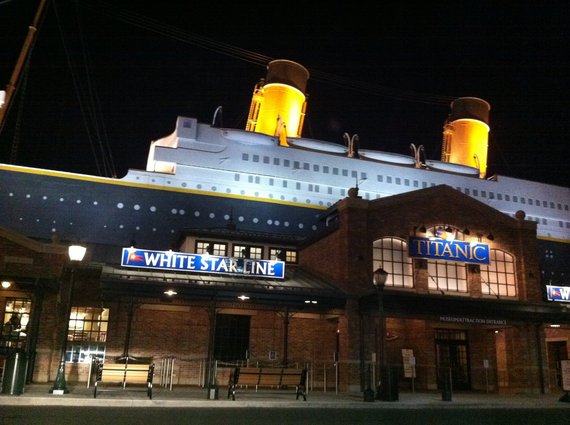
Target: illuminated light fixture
311	302
490	237
6	284
76	252
243	297
554	326
170	292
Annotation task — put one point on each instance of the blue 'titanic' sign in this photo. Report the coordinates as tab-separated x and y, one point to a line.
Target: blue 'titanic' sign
201	263
441	249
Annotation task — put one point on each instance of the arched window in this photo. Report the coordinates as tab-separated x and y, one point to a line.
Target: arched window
391	254
499	278
447	276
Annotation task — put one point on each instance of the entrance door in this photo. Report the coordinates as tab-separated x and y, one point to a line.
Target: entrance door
232	337
557	351
452	359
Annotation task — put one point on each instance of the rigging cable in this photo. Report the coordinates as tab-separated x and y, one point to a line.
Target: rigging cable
260	59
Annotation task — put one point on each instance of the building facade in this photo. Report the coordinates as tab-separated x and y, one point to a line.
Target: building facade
463	302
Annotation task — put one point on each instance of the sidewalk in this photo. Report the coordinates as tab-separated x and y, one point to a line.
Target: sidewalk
180	396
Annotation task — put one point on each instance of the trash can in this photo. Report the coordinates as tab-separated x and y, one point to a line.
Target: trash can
389	390
14	373
213	393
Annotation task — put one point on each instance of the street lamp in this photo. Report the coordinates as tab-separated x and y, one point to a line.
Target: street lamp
76	254
379	280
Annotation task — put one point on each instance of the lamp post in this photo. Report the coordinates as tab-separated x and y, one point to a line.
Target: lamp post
379	281
76	254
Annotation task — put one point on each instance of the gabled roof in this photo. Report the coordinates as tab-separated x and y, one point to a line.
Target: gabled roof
444	192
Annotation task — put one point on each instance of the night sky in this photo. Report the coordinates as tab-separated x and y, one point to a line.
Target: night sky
106	78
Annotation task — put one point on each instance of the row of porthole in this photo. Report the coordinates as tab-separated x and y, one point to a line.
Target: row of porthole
153	208
44	197
241	219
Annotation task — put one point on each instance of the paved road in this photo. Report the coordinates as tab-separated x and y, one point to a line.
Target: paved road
60	415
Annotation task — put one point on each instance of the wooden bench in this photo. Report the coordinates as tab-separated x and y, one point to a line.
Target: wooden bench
276	377
123	374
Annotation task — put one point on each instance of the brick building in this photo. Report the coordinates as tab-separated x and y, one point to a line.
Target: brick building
463	302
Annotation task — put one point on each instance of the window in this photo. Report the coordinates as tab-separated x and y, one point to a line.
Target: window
88	324
391	254
212	248
498	278
447	276
86	334
15	323
255	158
247	251
266	160
287	255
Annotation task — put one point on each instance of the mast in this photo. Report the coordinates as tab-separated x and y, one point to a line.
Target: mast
28	44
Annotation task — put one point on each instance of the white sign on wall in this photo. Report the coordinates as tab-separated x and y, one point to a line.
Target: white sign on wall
565	368
409	362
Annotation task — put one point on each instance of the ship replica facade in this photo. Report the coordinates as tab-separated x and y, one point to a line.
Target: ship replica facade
477	264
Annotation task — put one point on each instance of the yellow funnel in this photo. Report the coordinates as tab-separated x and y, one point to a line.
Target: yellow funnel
466	134
278	103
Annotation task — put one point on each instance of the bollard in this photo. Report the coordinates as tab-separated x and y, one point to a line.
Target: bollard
446	391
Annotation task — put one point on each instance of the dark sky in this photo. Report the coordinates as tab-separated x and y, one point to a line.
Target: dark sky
112	76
